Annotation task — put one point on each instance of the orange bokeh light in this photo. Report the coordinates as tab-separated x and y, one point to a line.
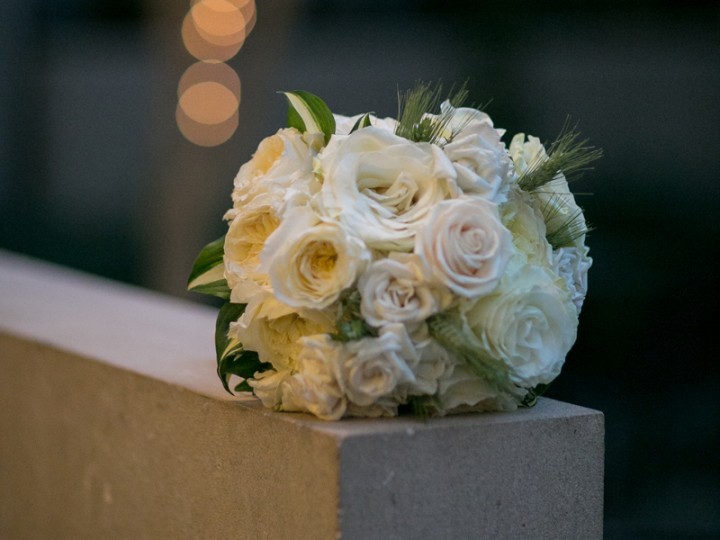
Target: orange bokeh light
205	134
213	31
210	71
208	103
219	22
201	48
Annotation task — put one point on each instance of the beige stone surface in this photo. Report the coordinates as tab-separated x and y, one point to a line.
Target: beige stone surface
112	426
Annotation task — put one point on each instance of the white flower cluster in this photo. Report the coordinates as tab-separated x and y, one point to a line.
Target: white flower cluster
411	230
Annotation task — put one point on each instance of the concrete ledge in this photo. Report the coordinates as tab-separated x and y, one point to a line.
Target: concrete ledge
113	426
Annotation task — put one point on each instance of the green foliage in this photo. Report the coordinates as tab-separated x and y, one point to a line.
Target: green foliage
563	231
570	157
295	120
350	323
206	276
309	113
423	99
362	122
232	359
418	406
217	288
566	155
530	399
447	331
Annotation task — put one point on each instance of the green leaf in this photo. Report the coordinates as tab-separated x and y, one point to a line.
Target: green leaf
362	122
217	288
244	364
350	323
228	313
530	399
295	120
232	359
207	275
243	387
309	113
420	406
225	347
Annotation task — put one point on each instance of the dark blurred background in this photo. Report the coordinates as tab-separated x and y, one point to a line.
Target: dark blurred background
95	174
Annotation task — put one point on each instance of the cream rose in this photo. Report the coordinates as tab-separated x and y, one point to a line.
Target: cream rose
462	390
382	186
530	323
396	290
315	387
527	226
465	246
273	329
572	265
477	153
383	407
267	386
554	200
526	154
372	368
244	241
561	212
281	168
309	261
428	360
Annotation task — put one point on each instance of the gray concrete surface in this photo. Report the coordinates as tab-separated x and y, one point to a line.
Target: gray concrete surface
112	426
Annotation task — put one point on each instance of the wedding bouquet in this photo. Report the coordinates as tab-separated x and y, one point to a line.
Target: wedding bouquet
374	265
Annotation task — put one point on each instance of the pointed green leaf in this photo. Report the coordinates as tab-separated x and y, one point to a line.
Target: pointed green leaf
228	313
207	275
295	120
309	113
362	122
217	288
224	346
243	387
232	359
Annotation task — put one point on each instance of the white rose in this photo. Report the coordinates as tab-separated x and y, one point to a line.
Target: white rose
267	386
314	388
244	241
572	265
396	290
526	154
460	390
273	329
465	246
554	200
477	153
429	363
562	214
309	261
382	186
383	407
527	226
372	368
281	168
529	322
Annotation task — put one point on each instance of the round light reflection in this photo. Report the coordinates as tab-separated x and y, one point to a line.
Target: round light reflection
205	134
